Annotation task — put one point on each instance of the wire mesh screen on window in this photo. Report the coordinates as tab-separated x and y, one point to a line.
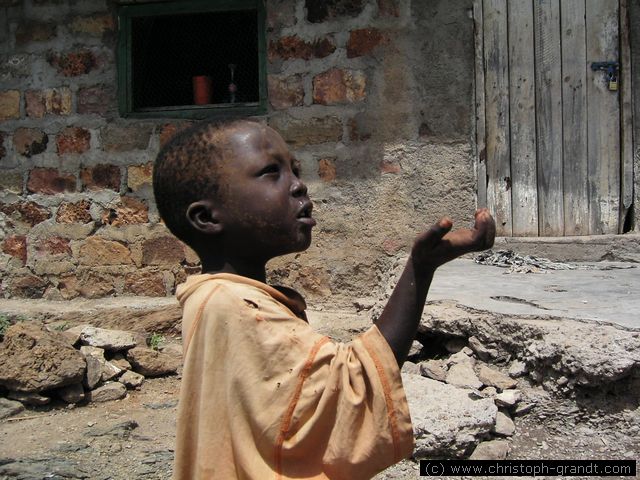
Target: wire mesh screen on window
195	59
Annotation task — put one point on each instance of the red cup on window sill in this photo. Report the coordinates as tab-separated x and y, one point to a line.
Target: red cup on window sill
201	90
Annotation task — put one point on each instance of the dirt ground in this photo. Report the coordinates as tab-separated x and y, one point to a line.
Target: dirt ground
133	438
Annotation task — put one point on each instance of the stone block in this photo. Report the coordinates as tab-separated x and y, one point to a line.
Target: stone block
9	104
29	398
29	141
131	379
139	176
34	103
31	31
106	339
11	181
28	212
16	246
73	140
146	283
93	285
152	363
97	99
388	8
308	132
68	287
363	41
9	408
101	176
123	138
322	10
27	286
166	251
74	212
293	47
95	25
58	101
98	251
73	64
327	169
338	86
285	92
53	246
49	181
130	211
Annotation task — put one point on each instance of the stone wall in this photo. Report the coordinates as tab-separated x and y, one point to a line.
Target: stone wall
373	96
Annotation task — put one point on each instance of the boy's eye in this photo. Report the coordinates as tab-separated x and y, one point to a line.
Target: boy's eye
270	169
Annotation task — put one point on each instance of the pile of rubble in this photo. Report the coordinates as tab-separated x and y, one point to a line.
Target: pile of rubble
458	401
81	364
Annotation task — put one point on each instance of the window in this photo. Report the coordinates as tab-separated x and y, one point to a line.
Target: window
192	59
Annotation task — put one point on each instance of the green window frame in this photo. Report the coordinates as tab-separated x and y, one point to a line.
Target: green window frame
125	67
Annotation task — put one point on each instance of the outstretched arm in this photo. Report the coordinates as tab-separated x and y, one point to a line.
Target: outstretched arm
399	320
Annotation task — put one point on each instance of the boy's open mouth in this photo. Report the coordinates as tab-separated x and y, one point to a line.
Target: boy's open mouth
304	215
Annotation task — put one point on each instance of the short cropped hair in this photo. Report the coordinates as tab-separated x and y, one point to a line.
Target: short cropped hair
185	171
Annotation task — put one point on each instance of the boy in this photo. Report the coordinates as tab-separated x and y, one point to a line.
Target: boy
263	396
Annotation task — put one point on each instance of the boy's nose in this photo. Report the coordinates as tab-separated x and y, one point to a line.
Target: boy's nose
298	188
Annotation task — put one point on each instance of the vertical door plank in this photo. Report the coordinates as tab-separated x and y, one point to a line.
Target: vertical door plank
497	113
522	100
626	105
481	151
549	116
574	118
603	118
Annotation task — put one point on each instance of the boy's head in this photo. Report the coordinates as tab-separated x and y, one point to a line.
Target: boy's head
232	189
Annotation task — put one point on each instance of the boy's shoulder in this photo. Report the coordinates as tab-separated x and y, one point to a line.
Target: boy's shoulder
230	289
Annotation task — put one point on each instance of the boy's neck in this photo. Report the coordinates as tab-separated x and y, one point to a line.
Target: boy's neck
249	269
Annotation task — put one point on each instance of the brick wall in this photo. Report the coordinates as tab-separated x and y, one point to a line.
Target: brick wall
374	97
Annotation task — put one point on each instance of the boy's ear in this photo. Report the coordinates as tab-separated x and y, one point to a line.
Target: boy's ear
203	216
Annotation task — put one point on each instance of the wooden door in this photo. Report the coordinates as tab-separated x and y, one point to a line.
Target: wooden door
551	161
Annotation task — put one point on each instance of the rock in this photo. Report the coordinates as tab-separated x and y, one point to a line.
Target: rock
482	351
94	372
35	359
151	363
9	408
119	430
109	371
112	340
508	398
504	425
460	357
119	361
131	379
446	421
494	378
41	467
489	392
73	334
29	398
173	349
433	369
523	408
108	392
462	375
416	348
491	450
410	367
518	369
72	393
454	345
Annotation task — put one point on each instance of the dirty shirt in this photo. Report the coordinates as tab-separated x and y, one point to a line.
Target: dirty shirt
264	396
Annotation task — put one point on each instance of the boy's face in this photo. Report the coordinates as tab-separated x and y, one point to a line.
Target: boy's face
265	209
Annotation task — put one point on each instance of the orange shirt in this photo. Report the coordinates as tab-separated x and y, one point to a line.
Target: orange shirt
264	396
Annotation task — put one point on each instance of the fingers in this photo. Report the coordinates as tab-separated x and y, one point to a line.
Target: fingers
431	237
484	229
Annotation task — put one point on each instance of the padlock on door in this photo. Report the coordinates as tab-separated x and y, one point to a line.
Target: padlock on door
611	69
613	81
